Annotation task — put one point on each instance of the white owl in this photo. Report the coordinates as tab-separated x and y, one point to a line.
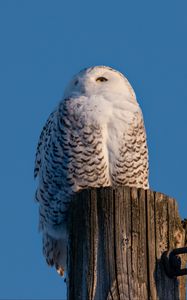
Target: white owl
94	138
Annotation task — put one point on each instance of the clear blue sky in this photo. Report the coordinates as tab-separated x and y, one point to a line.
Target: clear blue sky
42	44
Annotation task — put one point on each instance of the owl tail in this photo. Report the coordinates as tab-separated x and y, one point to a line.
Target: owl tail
55	252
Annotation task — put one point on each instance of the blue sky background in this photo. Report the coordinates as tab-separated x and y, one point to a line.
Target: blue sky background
42	44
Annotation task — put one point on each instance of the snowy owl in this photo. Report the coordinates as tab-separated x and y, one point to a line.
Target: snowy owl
94	138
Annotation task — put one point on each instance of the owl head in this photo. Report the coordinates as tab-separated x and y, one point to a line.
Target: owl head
99	80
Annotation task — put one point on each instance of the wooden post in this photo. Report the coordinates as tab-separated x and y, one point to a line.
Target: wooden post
117	237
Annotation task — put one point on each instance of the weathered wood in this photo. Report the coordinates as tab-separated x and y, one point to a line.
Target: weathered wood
117	238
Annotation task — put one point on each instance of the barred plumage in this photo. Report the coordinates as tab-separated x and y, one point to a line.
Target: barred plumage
95	137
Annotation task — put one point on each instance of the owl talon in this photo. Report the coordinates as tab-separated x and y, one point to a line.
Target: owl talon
60	270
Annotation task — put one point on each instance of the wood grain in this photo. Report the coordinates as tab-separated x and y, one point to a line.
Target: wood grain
117	237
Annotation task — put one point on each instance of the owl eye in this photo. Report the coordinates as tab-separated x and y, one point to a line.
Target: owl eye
76	82
101	79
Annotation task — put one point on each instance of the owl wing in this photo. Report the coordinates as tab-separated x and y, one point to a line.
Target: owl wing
137	153
43	140
131	166
48	154
140	159
49	167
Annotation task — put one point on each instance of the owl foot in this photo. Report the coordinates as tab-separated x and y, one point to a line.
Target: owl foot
60	270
